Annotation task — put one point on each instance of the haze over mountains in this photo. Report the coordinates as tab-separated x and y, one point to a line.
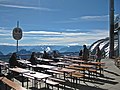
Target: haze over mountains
5	49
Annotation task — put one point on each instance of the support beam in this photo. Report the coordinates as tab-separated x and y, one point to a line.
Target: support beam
111	52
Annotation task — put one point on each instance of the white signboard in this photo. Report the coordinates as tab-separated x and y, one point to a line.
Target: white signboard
17	33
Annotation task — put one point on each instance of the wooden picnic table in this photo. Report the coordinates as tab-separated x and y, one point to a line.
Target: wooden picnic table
37	76
20	71
98	65
66	71
41	67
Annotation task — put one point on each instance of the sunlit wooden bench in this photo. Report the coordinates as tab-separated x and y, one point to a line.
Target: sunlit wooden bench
77	75
11	84
52	83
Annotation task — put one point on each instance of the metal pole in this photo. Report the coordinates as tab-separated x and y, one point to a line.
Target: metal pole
119	43
17	47
17	24
17	40
111	52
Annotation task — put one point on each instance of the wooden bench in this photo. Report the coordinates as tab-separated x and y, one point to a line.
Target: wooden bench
48	81
55	73
11	84
51	83
57	80
77	75
82	70
29	77
92	72
60	81
75	68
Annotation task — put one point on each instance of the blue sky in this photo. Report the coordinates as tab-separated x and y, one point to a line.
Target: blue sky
55	22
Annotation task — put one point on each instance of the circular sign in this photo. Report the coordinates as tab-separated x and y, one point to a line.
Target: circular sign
17	33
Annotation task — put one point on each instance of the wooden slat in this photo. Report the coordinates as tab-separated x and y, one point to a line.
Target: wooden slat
50	82
12	84
77	75
57	80
75	68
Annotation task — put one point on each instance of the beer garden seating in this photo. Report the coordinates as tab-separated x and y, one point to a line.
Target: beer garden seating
69	71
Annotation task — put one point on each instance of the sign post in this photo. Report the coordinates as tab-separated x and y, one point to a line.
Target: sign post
17	34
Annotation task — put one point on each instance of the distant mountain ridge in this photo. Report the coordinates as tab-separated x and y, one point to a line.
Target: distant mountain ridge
6	49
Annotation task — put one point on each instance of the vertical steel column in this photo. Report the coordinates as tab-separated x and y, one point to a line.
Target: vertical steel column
119	43
111	52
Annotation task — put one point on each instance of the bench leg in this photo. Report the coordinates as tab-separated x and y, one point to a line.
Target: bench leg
27	83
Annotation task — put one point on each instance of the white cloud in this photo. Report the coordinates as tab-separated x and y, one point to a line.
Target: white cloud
72	30
1	28
26	7
73	44
42	32
85	18
69	38
57	38
48	33
5	32
7	44
95	18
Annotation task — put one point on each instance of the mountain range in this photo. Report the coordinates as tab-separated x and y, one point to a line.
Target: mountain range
6	49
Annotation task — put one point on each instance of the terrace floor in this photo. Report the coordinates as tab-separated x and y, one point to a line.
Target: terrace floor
110	80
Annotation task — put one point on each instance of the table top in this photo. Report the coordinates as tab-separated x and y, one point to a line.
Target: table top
78	61
37	75
66	70
45	66
83	65
46	60
42	66
73	57
60	63
19	70
97	62
2	63
23	61
86	65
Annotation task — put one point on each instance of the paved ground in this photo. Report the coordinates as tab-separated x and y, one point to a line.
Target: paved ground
110	81
113	74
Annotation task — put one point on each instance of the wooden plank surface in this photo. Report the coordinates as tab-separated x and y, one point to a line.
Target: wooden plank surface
12	84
